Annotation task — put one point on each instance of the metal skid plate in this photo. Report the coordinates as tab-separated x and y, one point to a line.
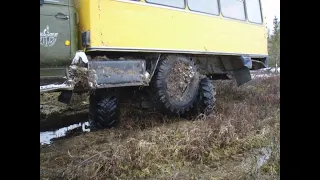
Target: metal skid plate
118	73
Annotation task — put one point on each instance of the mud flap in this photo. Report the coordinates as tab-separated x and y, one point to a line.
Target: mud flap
118	73
242	75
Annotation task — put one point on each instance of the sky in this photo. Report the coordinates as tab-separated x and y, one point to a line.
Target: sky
271	8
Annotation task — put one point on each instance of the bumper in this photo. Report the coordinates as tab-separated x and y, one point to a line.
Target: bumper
84	75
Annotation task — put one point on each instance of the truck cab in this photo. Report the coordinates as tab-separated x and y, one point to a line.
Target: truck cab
58	39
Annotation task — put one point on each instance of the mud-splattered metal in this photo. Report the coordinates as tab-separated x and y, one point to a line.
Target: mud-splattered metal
119	73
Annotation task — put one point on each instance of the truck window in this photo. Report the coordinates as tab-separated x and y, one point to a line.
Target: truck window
204	6
233	9
53	1
172	3
254	11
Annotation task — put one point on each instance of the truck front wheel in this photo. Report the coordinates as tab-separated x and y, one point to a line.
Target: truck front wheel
103	110
176	84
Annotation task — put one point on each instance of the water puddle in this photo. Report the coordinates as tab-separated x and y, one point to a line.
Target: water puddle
258	157
263	158
48	136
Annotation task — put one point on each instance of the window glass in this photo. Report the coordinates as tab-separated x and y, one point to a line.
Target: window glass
205	6
172	3
233	9
254	11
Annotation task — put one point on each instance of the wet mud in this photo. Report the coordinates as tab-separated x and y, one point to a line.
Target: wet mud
55	115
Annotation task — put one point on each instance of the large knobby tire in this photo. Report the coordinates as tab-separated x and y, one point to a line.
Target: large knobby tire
103	111
176	85
207	96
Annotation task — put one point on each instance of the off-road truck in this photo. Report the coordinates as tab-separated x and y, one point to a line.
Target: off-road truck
78	53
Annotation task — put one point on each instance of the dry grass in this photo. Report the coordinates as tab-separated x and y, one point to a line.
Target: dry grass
150	146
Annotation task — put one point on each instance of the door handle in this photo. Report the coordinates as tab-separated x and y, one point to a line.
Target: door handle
62	16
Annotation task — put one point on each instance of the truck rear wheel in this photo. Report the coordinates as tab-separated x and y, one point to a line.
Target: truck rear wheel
176	84
207	96
103	110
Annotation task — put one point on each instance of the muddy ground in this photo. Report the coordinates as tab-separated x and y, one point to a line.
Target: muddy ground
240	141
54	115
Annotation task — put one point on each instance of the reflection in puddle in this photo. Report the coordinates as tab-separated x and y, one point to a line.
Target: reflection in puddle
46	137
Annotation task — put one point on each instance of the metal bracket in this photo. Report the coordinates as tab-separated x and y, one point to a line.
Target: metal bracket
154	64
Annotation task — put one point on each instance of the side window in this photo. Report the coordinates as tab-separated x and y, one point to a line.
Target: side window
233	9
172	3
204	6
254	11
54	1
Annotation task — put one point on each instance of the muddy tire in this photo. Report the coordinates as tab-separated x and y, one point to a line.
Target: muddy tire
207	96
176	85
103	111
